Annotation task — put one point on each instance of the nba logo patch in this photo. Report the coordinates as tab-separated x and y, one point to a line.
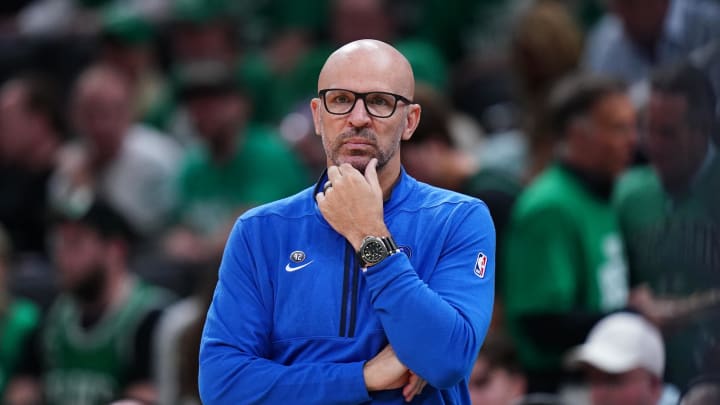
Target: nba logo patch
480	265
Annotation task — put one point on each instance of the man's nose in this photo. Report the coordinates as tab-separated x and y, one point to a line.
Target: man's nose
359	116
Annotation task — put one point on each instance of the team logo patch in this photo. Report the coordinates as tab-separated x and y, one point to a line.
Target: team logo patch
297	256
480	265
406	250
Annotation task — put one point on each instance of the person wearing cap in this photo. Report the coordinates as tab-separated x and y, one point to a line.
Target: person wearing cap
95	343
624	360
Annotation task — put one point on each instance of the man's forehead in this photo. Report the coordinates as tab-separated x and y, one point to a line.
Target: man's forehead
371	64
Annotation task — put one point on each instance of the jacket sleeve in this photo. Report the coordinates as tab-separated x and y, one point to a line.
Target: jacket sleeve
436	328
235	365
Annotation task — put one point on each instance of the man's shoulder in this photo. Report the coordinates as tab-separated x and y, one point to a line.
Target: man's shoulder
297	205
555	198
424	195
641	181
553	187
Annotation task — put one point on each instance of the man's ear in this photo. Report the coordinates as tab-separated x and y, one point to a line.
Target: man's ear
411	121
314	108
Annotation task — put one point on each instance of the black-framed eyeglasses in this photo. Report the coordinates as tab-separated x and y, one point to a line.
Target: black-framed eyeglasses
379	104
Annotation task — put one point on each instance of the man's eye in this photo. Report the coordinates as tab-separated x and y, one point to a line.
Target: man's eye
378	101
341	99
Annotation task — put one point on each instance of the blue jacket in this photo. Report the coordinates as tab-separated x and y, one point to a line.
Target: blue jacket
294	318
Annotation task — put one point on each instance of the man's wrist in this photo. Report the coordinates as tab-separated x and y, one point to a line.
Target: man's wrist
376	249
357	239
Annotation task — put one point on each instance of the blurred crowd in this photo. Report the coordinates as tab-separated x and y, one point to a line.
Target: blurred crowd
134	132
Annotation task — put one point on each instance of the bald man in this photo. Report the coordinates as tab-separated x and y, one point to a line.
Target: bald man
368	287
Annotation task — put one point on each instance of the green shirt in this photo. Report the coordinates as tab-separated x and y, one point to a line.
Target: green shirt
563	253
263	169
92	366
673	245
16	325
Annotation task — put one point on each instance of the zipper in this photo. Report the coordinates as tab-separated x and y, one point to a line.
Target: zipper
351	278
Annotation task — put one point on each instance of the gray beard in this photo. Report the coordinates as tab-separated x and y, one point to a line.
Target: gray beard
383	157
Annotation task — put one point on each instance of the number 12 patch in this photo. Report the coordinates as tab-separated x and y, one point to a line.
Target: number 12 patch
480	265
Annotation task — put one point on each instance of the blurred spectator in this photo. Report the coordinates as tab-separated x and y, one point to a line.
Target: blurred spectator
127	43
18	319
202	30
31	133
95	343
497	377
127	164
563	255
624	359
546	45
234	167
177	342
638	35
670	214
298	131
707	59
49	18
702	391
430	155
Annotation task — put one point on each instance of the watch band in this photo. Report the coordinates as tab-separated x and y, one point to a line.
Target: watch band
390	245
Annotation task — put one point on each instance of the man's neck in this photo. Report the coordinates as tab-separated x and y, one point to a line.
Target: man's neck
388	176
115	291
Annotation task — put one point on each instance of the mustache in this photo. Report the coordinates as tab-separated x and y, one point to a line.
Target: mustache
364	133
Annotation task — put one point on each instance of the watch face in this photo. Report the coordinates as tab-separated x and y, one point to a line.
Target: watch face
373	251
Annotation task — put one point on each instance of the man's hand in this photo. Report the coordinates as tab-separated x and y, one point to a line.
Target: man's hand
386	372
670	314
353	203
414	387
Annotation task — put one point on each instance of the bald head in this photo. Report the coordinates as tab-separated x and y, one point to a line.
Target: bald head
368	65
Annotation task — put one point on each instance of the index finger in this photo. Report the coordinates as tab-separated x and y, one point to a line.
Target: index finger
333	173
371	174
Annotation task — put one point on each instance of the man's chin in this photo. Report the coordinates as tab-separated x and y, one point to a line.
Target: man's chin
358	162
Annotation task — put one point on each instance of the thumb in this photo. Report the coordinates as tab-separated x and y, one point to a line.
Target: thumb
371	175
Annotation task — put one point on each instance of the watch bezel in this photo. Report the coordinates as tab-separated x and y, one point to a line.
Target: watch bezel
370	258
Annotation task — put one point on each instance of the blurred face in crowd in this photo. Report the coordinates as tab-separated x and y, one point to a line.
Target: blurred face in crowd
203	41
675	149
15	121
607	136
494	386
376	24
642	20
28	137
80	255
357	137
635	387
102	111
217	116
23	132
